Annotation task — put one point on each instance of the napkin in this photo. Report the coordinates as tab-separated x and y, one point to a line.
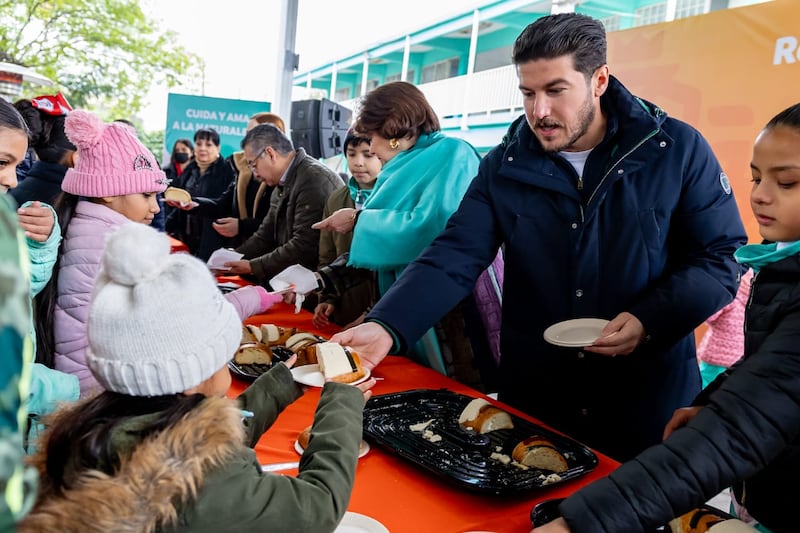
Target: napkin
303	279
222	256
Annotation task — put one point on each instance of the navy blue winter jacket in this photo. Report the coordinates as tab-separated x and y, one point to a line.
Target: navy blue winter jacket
655	238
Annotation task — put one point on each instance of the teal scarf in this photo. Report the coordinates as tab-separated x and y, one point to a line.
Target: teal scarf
757	256
414	196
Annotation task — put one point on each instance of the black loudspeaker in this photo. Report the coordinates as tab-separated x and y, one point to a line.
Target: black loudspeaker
320	142
319	127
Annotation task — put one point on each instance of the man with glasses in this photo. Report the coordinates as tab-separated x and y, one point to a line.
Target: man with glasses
301	186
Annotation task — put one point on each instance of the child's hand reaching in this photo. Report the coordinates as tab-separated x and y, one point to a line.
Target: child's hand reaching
366	387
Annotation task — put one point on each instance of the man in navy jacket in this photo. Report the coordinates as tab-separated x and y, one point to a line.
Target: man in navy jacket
605	207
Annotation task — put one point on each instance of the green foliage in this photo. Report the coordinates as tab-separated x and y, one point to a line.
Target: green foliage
103	53
154	141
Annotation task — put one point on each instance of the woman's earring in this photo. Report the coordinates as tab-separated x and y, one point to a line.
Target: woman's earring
394	144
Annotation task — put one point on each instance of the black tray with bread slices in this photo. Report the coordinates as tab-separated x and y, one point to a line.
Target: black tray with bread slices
252	371
481	462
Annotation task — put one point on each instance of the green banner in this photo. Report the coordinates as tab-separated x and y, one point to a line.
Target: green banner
186	114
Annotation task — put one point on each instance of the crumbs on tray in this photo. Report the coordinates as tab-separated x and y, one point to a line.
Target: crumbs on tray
427	434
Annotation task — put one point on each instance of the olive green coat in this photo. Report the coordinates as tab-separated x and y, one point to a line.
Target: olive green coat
199	475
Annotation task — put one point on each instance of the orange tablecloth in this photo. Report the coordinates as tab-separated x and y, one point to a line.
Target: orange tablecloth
177	246
390	489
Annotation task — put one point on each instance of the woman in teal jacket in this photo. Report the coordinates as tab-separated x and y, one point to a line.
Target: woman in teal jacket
424	177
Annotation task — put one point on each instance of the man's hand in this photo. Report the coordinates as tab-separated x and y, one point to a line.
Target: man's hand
36	221
321	315
227	227
369	340
620	336
680	418
238	267
341	221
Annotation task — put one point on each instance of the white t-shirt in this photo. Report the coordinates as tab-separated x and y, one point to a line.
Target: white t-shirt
577	159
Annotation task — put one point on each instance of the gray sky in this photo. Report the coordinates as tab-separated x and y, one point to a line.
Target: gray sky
238	39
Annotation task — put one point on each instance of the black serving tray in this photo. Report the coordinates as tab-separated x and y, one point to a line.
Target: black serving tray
251	372
463	456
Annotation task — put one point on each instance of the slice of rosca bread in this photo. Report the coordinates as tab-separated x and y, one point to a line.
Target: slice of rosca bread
539	452
248	335
177	195
302	344
304	437
484	417
696	520
276	335
338	363
253	353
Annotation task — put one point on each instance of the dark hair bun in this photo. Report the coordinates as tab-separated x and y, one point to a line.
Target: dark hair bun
38	125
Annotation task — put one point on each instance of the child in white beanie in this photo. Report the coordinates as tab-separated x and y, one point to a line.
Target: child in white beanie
114	182
162	448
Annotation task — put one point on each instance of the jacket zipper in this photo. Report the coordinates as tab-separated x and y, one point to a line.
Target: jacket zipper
747	308
749	299
629	152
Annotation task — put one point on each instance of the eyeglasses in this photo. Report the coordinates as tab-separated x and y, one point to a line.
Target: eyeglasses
252	164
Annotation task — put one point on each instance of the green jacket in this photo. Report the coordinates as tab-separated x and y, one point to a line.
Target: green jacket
200	476
285	236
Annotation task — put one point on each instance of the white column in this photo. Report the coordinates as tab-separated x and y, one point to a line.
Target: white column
669	14
332	94
562	6
287	61
364	74
406	58
473	51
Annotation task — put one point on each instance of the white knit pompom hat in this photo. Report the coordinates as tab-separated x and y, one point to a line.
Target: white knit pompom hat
157	322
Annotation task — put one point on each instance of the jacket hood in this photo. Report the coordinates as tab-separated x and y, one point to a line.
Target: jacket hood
162	474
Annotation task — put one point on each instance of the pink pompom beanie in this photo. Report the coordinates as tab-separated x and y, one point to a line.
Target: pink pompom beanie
111	159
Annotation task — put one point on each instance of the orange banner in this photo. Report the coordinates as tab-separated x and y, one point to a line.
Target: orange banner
726	73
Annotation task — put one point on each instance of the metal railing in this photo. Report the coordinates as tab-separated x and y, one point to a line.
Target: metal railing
487	92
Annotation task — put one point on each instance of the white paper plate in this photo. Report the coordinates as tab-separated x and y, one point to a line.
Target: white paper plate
311	376
359	523
363	449
575	333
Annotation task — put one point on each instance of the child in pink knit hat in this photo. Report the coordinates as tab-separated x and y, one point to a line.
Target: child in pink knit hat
114	182
723	343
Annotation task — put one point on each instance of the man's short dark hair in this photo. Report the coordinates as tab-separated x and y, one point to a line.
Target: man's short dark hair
581	36
265	135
